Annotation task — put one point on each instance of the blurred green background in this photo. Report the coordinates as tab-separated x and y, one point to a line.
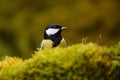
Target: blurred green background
22	22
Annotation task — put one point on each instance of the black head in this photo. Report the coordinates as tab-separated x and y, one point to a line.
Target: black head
53	32
53	29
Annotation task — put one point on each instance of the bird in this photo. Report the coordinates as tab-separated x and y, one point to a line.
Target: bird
53	37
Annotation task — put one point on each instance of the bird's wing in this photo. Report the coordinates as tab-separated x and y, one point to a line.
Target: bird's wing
62	43
46	44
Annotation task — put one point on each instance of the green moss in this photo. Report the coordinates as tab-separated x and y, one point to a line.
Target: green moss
78	62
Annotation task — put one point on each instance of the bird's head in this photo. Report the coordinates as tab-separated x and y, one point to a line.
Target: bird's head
53	30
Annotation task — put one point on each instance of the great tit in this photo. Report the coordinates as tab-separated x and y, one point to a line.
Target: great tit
53	37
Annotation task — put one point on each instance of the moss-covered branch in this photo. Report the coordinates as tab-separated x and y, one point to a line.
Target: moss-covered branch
78	62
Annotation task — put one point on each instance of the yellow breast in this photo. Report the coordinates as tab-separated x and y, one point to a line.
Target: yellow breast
48	44
62	43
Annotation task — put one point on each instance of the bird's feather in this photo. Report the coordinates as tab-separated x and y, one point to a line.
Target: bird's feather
62	43
48	44
51	31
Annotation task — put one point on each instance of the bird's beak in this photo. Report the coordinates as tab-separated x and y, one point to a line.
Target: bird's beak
63	28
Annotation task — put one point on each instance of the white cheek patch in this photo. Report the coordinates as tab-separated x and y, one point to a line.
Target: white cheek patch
52	31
